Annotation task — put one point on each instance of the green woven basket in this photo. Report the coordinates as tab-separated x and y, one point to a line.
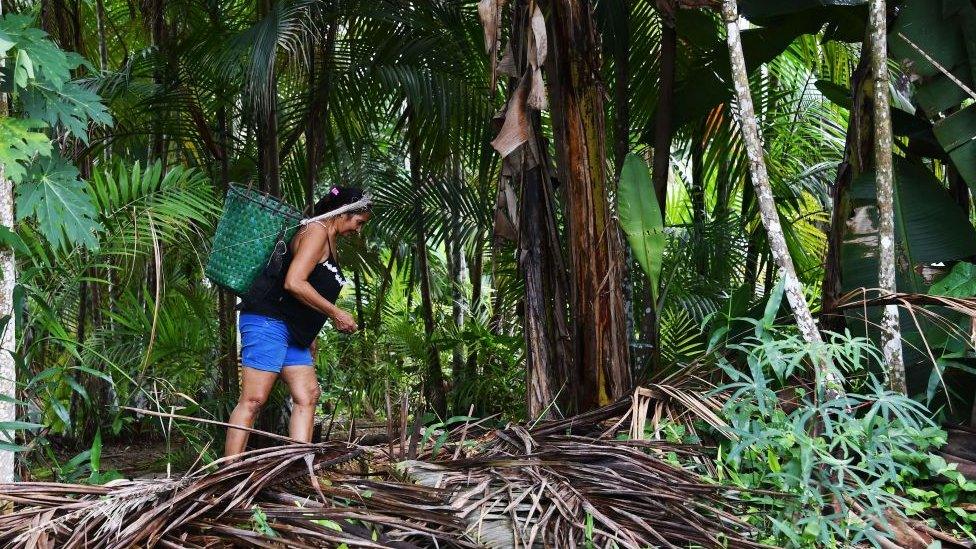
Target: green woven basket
246	235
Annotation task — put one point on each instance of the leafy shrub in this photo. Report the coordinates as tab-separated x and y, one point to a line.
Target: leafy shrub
833	463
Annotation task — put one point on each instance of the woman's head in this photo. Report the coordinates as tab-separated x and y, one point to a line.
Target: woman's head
338	197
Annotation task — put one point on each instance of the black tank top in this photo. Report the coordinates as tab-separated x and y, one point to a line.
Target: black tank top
304	323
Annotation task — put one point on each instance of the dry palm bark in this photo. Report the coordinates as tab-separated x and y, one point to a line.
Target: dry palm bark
760	179
599	321
526	211
890	330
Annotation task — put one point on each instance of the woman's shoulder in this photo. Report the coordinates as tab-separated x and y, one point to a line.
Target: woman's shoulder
312	234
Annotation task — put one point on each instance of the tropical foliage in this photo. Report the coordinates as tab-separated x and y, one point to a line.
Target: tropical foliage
564	211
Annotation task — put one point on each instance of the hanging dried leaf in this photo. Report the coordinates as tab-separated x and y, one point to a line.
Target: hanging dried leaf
537	93
505	206
538	45
489	11
517	129
507	65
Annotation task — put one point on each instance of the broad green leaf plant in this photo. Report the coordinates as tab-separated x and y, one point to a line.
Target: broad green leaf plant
46	103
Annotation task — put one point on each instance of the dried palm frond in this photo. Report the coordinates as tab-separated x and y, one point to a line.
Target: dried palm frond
573	482
567	491
863	298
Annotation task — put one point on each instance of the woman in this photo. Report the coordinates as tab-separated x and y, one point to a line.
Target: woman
278	329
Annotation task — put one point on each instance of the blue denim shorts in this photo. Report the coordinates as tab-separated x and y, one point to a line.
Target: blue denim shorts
265	344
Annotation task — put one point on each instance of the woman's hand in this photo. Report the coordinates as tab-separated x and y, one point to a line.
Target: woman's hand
344	322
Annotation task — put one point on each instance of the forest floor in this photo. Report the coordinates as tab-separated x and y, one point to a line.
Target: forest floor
582	481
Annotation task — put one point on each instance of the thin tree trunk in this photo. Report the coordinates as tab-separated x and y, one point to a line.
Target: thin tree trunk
698	194
226	316
155	14
600	330
760	179
477	267
890	329
456	268
318	116
269	164
102	42
8	342
313	133
434	384
267	130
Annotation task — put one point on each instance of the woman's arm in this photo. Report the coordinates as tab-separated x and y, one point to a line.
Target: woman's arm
311	247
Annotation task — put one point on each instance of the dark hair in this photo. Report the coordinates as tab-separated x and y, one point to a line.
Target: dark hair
337	197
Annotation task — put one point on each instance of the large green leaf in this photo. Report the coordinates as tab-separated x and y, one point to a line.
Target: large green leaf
20	143
960	282
929	225
640	218
54	195
72	107
709	83
945	32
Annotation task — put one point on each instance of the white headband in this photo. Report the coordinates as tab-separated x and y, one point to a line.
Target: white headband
360	204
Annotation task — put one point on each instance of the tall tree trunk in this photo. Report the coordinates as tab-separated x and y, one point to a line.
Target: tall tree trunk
540	347
434	384
477	267
857	158
102	41
8	341
698	195
318	116
549	356
154	12
600	331
226	301
456	270
269	164
313	133
267	132
760	180
890	329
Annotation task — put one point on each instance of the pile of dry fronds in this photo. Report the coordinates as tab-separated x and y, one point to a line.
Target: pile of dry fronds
560	484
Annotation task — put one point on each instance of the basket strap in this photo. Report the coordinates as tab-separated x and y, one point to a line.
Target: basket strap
363	202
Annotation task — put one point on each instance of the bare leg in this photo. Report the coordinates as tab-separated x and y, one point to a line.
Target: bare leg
305	391
255	388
